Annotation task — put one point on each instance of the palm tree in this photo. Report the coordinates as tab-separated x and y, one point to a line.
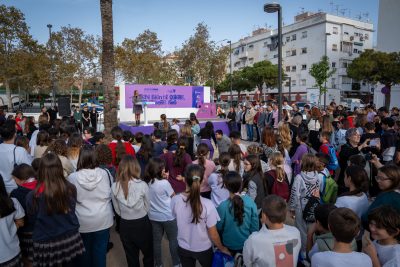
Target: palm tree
107	66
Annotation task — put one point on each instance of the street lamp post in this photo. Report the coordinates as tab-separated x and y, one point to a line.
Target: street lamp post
53	89
326	52
272	8
290	88
230	70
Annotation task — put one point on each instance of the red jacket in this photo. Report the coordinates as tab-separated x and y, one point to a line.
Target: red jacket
128	149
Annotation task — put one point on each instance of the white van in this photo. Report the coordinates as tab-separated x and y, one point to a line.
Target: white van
351	103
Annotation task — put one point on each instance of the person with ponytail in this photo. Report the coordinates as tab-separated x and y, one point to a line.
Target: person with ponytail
164	126
218	191
196	218
236	163
254	184
118	146
175	164
239	216
356	180
276	178
209	167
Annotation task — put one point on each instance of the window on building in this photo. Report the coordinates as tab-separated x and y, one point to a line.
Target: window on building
304	66
346	80
355	51
288	53
366	36
293	83
237	64
293	68
250	47
335	30
304	50
276	56
293	52
294	37
334	47
333	64
304	34
251	60
265	44
242	48
287	68
356	34
344	65
346	33
303	82
333	83
287	39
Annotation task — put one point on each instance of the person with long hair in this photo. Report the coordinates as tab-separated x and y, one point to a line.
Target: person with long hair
195	125
277	174
137	108
93	208
236	164
186	131
172	140
164	125
130	196
269	143
75	142
118	146
42	142
104	159
51	205
239	216
206	135
314	126
305	185
29	126
145	153
388	179
209	167
284	134
254	184
160	213
175	164
59	148
196	217
11	218
216	180
302	149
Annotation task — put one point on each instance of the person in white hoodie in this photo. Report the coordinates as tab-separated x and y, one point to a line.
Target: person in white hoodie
305	185
93	208
130	196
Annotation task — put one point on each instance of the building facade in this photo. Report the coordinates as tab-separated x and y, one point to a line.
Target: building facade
310	37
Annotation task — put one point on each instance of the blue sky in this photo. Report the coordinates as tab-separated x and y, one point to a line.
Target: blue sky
174	20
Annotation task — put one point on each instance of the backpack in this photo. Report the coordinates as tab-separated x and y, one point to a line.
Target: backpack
333	160
329	193
279	188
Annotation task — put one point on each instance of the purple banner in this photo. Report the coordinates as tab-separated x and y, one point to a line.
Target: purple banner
166	96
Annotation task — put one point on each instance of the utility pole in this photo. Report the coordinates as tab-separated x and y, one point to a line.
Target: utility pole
52	71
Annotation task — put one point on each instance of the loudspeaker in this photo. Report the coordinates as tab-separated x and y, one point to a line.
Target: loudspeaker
64	108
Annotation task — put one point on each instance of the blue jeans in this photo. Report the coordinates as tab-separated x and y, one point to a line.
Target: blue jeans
95	248
171	229
249	132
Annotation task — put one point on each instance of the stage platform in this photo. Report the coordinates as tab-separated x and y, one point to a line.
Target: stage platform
219	124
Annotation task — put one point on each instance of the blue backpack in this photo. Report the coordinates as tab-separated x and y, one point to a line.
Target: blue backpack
333	160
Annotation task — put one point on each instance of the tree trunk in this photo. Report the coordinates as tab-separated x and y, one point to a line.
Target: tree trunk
80	93
107	66
8	95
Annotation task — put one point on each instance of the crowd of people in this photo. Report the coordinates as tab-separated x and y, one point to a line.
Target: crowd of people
318	188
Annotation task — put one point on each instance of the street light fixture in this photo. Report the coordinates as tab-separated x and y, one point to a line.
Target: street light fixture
326	52
272	8
230	70
52	71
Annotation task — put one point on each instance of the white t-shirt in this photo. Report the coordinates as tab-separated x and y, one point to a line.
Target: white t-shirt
9	242
160	192
191	236
218	192
358	204
268	248
7	163
389	256
335	259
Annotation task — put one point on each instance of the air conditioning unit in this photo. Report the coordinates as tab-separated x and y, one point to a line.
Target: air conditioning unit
350	54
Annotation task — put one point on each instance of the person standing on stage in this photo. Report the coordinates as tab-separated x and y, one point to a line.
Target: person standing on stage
137	106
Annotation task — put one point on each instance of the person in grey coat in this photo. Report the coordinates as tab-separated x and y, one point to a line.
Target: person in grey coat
223	141
261	121
238	117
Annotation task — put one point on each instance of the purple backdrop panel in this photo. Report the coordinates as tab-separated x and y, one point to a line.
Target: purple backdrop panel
166	96
218	125
207	111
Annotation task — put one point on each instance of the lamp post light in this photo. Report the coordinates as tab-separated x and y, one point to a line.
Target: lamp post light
52	71
272	8
230	70
326	52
